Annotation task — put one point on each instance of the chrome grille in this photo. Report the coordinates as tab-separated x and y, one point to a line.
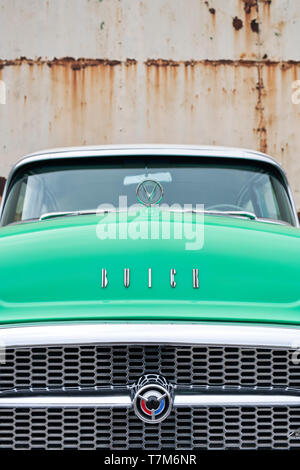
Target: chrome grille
185	428
57	366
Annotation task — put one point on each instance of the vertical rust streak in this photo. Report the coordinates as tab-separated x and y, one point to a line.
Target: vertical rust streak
262	130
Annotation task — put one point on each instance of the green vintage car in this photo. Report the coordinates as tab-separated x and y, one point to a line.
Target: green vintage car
149	298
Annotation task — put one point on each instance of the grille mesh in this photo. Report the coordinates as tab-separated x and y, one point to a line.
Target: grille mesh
185	428
123	365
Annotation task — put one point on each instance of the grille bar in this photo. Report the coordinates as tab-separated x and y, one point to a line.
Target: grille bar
67	401
105	400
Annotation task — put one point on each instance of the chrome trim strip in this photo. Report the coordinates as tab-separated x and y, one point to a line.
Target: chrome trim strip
122	401
235	400
232	334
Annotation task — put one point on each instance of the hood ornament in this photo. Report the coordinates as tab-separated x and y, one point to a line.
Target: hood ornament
149	192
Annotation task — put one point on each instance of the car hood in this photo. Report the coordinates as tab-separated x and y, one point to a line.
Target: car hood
51	270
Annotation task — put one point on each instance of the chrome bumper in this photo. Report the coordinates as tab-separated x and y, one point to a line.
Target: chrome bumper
190	333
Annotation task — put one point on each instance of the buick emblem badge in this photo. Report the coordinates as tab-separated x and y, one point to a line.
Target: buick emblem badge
152	401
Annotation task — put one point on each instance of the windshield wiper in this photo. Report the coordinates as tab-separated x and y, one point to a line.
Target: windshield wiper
53	215
244	214
238	214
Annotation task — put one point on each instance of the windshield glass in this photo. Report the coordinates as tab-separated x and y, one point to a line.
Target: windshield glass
224	185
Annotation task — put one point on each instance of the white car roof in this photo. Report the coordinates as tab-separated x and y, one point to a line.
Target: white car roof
144	149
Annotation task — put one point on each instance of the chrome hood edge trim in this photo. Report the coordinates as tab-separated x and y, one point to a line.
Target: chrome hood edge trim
191	333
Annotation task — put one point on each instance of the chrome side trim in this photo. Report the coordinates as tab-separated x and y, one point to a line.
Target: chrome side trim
150	333
122	401
235	400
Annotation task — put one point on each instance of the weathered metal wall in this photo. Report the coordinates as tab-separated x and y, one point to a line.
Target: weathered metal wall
169	71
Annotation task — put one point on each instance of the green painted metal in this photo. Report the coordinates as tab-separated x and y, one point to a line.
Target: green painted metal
51	270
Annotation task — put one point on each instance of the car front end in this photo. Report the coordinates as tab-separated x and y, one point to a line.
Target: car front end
167	319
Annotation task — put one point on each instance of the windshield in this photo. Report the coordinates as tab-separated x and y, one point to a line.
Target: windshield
221	186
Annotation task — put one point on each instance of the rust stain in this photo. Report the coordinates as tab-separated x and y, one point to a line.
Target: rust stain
249	4
78	64
81	63
190	63
237	23
255	25
295	73
75	64
111	82
261	129
214	63
78	97
266	13
210	9
162	63
130	62
271	92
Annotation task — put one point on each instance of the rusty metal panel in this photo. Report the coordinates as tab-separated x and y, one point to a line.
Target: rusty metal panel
66	104
281	119
279	29
171	71
118	29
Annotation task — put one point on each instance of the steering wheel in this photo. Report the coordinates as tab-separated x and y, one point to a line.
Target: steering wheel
225	207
